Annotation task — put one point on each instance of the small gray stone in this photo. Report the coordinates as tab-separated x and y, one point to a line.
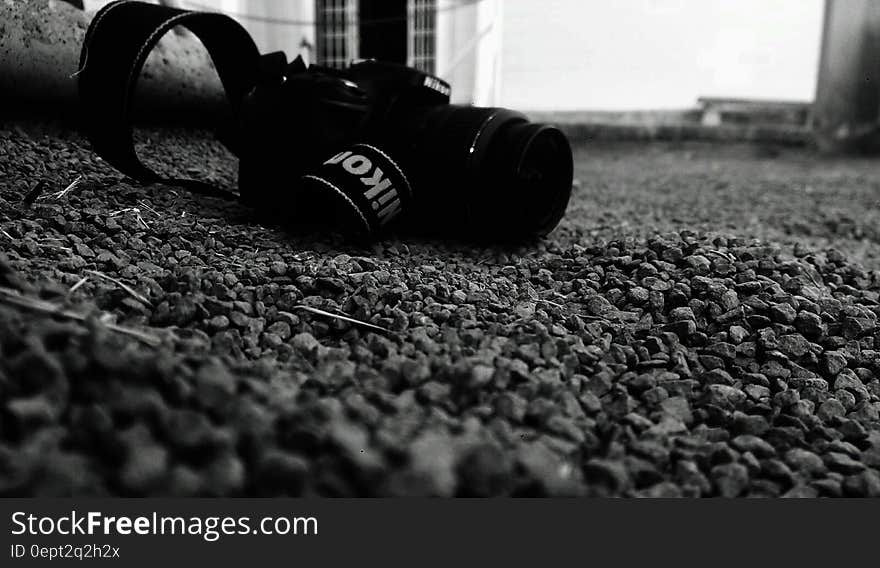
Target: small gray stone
833	362
794	345
305	342
731	479
678	407
724	396
737	334
754	425
611	473
810	325
805	461
753	444
843	463
783	313
831	409
864	484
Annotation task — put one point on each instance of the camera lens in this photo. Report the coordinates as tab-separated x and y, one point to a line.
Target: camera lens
532	168
485	172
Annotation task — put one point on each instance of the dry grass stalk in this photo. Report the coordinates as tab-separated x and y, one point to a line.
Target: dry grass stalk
228	260
147	206
12	297
131	291
134	210
595	318
326	314
63	193
725	255
53	246
76	286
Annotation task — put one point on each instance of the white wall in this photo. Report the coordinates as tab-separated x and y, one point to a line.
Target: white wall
654	54
469	44
469	49
292	37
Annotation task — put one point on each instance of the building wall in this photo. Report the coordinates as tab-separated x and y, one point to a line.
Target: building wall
469	49
654	54
295	36
469	37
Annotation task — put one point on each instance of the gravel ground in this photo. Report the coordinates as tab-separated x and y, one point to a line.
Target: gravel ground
703	323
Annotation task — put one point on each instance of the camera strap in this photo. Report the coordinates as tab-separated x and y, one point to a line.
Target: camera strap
362	186
368	187
116	45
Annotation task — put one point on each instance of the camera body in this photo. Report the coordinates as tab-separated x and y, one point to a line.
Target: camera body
374	147
377	146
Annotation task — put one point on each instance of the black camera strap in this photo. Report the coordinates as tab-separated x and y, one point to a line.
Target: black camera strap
361	187
368	187
115	47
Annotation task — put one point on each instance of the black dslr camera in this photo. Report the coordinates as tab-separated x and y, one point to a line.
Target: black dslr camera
375	146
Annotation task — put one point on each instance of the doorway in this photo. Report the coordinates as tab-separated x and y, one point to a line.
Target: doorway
383	30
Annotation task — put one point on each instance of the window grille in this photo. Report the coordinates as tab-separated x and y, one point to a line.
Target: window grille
421	35
336	35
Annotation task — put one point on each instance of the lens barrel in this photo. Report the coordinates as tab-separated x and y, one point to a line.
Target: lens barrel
483	172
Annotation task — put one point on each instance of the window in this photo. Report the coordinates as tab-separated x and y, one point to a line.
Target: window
350	29
421	35
336	32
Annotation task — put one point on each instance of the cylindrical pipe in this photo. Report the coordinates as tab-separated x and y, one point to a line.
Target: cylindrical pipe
40	43
847	107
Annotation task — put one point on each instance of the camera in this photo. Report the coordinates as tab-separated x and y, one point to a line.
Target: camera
374	147
379	145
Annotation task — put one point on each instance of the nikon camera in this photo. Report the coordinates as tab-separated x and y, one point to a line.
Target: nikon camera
371	148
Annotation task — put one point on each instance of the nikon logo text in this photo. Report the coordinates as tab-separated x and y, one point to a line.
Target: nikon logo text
437	85
383	198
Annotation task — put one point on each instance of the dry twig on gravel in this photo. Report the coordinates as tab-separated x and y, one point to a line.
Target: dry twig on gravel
147	206
63	193
229	261
35	304
338	316
558	305
76	286
131	291
54	246
134	210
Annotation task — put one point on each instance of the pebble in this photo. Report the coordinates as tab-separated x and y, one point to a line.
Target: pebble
833	362
753	444
830	410
805	461
783	313
730	479
843	463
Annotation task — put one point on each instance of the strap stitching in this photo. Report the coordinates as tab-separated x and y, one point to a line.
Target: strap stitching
393	163
138	64
103	13
342	194
149	43
94	26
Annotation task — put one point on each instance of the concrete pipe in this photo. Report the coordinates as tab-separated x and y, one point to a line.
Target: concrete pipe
40	42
